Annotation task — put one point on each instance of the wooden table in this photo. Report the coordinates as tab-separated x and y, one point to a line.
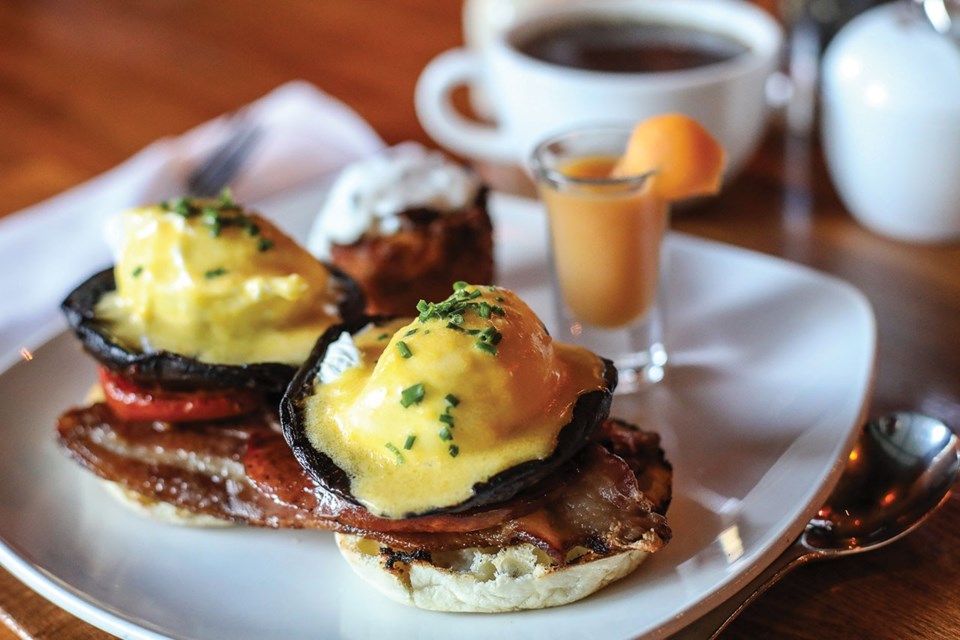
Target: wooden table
85	84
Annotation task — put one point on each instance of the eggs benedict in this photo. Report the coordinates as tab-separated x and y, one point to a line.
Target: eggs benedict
198	327
464	460
466	439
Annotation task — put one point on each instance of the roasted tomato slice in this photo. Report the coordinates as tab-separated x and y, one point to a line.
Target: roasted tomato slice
136	401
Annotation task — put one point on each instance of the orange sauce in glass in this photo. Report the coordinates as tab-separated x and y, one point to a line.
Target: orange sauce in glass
606	244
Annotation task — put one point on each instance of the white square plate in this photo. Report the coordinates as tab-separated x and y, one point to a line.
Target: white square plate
771	367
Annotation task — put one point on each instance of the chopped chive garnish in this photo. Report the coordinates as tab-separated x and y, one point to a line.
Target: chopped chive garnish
404	349
393	449
383	336
409	441
180	206
455	327
452	399
412	395
212	216
491	335
445	434
447	419
486	347
214	273
473	332
499	298
457	305
137	271
226	199
460	284
409	333
454	451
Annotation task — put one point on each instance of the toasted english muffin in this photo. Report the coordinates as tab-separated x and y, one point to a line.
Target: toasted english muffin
162	511
482	580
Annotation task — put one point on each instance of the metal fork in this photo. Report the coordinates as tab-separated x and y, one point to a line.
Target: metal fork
222	165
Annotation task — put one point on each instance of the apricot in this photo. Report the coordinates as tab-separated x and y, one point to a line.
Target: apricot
686	160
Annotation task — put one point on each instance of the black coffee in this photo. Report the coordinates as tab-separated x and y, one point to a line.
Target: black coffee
630	47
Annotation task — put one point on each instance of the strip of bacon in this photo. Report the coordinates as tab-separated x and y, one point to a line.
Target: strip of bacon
245	473
600	508
197	467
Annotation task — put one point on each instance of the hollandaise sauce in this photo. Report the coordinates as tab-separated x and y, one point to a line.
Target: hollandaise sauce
206	280
470	388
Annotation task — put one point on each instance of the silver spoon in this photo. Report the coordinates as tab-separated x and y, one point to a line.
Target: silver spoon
901	469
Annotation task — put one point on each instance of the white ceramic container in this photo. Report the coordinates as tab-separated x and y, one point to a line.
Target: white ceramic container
891	124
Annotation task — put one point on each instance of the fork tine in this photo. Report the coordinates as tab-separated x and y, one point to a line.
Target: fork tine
217	170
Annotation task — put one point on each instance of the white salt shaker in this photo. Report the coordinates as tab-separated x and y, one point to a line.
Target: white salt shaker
891	123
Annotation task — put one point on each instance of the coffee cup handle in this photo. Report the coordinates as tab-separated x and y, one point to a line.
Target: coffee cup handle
443	74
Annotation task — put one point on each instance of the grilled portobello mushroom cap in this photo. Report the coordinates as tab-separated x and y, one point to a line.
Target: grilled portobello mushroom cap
178	370
589	412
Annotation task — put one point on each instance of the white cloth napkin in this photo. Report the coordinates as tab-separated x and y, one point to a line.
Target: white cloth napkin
49	248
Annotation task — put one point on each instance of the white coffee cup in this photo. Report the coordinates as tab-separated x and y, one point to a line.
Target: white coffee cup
891	124
532	99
